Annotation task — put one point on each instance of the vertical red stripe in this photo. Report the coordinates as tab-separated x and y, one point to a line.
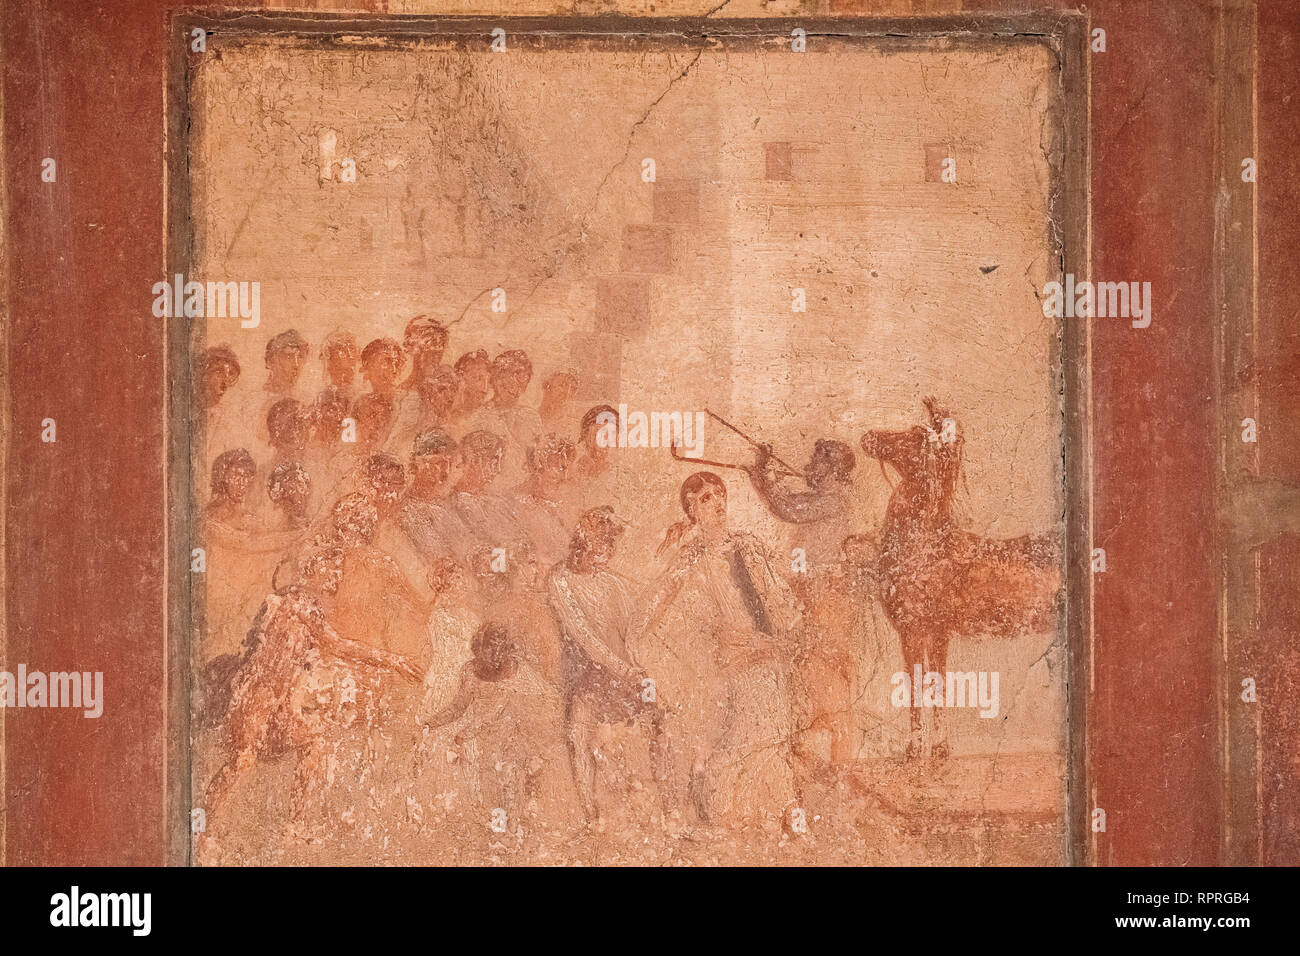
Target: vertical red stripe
1277	654
1153	734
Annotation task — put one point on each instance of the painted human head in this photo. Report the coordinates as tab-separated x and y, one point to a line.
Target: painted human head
551	460
475	371
339	356
289	487
218	372
595	538
232	474
510	373
383	478
289	425
435	459
425	340
381	364
285	354
704	499
439	393
373	413
597	418
481	452
328	412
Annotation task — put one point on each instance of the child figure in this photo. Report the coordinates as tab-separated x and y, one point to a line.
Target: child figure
502	732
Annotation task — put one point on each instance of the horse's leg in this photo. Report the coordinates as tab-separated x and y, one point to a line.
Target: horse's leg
912	644
928	716
938	654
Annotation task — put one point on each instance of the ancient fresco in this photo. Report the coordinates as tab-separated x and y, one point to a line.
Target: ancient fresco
625	450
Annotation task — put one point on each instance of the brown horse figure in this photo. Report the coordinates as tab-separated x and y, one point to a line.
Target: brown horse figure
937	580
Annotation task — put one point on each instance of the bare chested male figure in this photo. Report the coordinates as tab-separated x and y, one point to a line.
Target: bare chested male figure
827	664
264	715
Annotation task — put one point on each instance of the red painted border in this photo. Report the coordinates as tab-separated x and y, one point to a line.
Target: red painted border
1152	731
1277	654
84	533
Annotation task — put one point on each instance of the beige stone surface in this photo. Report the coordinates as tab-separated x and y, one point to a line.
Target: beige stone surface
774	171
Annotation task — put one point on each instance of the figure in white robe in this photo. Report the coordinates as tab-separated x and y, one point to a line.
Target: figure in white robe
741	721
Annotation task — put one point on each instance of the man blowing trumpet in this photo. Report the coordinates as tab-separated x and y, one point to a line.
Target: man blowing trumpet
827	560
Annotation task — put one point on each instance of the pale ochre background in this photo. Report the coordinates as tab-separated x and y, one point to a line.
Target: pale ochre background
478	170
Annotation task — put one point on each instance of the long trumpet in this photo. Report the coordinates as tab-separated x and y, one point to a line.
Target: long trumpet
704	461
789	468
723	464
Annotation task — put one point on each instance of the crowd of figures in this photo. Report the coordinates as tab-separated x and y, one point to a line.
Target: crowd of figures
427	566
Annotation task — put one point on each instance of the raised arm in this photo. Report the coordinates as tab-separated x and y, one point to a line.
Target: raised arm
793	507
666	589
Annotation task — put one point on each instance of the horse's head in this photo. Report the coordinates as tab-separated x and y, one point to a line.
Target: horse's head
927	457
